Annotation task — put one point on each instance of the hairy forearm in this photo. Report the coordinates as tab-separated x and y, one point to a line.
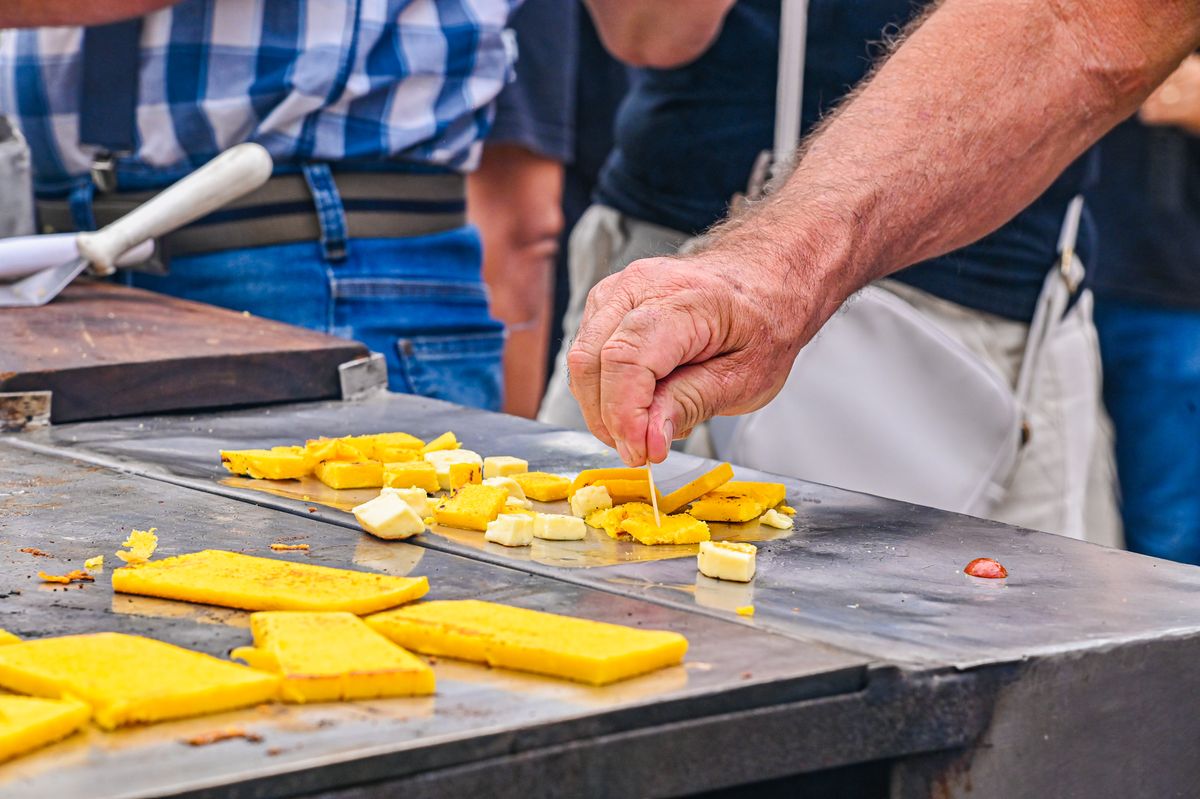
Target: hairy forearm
42	13
973	116
658	33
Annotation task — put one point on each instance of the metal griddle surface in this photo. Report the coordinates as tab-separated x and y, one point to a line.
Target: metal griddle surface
862	573
73	511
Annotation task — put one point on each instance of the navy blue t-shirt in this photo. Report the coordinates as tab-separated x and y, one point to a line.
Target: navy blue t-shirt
687	138
1147	208
537	110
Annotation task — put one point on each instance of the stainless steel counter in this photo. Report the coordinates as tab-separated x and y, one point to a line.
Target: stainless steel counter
1056	664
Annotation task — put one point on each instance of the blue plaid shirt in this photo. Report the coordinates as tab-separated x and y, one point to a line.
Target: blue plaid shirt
407	81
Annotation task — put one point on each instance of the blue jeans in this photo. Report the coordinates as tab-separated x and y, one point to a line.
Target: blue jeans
1151	362
420	301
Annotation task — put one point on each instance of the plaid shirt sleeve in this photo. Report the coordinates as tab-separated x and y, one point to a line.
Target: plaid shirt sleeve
409	81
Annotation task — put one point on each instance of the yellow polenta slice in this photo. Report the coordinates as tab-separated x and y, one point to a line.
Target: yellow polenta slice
622	491
280	463
528	640
128	679
738	501
8	638
543	486
471	507
697	488
28	723
350	474
233	580
327	657
589	476
677	529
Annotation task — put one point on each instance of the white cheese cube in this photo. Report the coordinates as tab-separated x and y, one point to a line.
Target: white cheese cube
589	499
389	516
508	484
417	499
727	560
513	502
774	518
443	459
555	527
510	530
503	466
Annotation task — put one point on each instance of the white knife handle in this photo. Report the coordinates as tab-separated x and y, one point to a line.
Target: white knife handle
235	172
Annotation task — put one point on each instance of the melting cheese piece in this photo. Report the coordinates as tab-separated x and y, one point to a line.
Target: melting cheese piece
503	466
471	507
233	580
141	545
510	530
278	463
456	467
611	520
417	474
589	499
774	518
727	560
330	657
515	492
350	474
388	516
417	499
28	723
94	564
555	527
543	486
527	640
128	679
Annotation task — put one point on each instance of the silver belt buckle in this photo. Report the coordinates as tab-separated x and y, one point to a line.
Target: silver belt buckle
104	172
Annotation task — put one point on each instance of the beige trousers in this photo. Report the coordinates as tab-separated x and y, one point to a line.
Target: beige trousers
1063	479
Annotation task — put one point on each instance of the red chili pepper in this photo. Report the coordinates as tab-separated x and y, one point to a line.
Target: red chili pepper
986	567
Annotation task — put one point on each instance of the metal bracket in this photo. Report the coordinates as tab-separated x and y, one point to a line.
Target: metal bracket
363	377
24	410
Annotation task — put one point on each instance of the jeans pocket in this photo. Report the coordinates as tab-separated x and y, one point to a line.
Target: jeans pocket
465	368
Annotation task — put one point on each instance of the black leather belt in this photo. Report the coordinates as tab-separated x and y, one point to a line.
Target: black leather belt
377	205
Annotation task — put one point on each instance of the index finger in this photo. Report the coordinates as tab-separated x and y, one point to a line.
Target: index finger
601	315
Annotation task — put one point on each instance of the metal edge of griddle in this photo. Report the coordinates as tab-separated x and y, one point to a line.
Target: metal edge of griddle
566	575
893	716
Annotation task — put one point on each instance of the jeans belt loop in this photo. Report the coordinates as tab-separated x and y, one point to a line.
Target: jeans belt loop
331	215
80	200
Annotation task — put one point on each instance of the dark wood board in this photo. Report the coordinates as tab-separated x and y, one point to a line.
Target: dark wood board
106	350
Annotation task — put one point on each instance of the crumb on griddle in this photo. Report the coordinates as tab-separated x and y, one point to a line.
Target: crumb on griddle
227	734
78	575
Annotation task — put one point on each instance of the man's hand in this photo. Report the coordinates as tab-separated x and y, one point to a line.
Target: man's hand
1177	102
670	342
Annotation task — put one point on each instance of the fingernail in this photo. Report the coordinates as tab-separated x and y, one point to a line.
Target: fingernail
669	432
623	452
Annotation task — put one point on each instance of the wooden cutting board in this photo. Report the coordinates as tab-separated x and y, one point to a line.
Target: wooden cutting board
106	350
